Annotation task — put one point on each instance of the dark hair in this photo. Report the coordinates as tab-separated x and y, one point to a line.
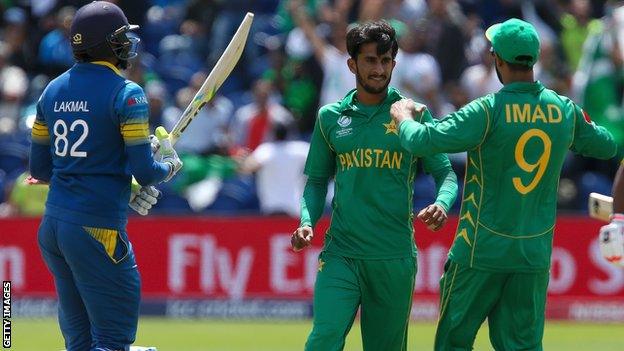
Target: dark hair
379	32
521	66
280	131
518	67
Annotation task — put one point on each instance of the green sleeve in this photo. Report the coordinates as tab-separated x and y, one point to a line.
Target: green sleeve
439	166
313	201
590	139
320	166
321	161
462	130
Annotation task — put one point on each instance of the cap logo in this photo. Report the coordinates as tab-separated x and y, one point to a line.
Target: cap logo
77	39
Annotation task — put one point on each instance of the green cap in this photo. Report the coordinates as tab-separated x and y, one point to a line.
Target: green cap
515	41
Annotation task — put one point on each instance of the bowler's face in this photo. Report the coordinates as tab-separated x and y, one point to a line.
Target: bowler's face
373	71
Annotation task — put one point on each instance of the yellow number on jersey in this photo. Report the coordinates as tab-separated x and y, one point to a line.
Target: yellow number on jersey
541	163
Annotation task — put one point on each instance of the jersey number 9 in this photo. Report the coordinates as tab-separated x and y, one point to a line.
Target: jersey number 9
61	143
540	164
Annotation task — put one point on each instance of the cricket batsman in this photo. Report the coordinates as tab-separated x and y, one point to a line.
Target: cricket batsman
611	237
89	138
517	140
369	256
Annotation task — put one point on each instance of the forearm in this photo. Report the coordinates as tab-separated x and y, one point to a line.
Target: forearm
618	190
143	167
40	164
446	187
313	201
415	139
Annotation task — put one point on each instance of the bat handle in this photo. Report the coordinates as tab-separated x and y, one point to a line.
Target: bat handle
164	138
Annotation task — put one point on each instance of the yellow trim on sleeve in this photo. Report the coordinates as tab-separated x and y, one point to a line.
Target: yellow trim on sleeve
135	130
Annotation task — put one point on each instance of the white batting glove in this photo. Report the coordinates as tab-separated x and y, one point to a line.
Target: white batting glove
154	143
167	153
143	200
611	239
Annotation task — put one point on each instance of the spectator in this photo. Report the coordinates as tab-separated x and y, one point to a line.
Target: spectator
207	133
332	56
445	39
17	38
157	96
25	199
480	80
417	73
55	53
279	167
13	88
577	26
298	78
253	123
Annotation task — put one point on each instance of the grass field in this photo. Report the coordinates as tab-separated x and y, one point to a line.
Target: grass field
196	335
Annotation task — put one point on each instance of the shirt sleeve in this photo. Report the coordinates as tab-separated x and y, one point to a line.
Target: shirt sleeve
459	131
321	161
133	113
439	167
590	139
262	153
313	201
40	162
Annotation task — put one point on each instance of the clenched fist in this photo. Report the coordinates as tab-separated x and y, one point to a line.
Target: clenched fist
301	238
434	216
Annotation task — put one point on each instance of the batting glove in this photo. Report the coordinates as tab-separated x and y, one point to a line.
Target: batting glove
142	200
611	239
168	154
154	143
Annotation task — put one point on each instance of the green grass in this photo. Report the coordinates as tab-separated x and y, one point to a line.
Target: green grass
196	335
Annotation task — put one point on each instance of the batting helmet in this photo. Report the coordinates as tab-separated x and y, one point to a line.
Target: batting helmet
99	30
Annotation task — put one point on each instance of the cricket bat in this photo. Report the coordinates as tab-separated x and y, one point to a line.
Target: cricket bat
600	206
217	76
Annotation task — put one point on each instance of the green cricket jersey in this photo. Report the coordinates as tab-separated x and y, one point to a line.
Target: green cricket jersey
517	140
359	146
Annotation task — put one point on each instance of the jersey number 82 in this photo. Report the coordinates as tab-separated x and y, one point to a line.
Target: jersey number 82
61	143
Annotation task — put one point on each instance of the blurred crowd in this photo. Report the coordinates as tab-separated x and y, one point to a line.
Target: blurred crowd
245	152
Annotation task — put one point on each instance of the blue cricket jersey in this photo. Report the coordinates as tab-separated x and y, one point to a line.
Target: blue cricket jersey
90	136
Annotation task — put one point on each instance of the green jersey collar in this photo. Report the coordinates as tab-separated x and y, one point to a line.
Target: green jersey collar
523	87
349	101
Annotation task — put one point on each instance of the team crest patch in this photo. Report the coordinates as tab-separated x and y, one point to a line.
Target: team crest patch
344	121
391	127
77	38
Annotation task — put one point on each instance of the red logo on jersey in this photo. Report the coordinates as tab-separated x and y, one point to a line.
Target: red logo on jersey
586	116
137	100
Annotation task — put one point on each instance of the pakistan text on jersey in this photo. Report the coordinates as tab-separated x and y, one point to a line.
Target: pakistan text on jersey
370	158
71	106
528	113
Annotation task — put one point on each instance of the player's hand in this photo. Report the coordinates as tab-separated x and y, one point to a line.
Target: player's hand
167	153
611	239
434	216
405	109
301	238
154	143
142	200
175	164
